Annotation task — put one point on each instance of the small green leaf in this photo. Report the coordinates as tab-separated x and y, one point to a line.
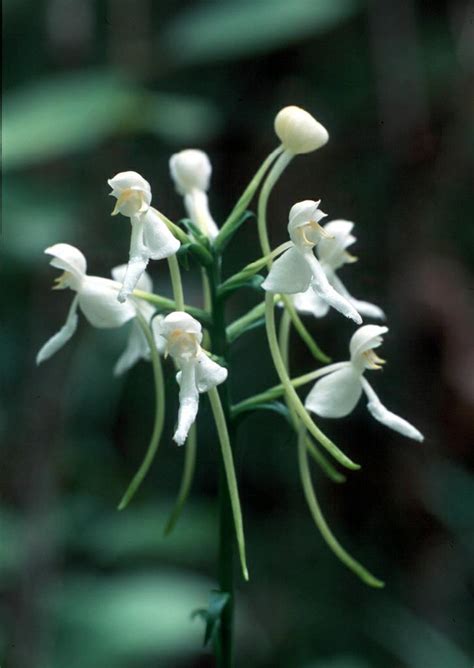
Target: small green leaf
212	615
253	282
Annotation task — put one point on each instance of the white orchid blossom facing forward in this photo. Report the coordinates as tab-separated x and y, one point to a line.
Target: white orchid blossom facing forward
333	254
180	335
96	297
337	394
298	269
150	239
191	172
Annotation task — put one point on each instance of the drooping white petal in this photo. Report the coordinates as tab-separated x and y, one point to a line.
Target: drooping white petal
144	282
59	339
311	303
136	349
386	417
197	206
188	401
135	268
190	169
324	289
98	302
208	373
289	274
158	240
336	394
69	259
364	308
365	338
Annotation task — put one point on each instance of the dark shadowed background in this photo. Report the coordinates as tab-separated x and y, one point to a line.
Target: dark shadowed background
94	88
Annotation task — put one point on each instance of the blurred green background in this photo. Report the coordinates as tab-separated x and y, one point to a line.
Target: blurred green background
94	88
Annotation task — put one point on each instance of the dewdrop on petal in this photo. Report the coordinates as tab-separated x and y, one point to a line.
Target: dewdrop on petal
298	131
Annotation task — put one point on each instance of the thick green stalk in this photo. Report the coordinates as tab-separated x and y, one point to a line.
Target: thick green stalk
291	392
230	518
159	416
321	523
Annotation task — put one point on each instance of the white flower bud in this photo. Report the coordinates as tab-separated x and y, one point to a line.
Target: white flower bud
190	169
298	131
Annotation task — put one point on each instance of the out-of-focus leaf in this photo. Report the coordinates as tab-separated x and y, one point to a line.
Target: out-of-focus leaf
413	641
111	621
342	661
226	30
180	118
56	116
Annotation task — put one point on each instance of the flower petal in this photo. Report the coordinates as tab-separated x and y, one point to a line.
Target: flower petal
68	258
331	250
209	373
337	394
144	282
289	274
386	417
324	289
98	302
135	269
136	349
58	340
364	308
303	212
188	402
128	181
365	338
311	303
159	241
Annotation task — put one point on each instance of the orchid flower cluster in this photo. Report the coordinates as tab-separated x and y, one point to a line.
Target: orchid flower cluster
302	281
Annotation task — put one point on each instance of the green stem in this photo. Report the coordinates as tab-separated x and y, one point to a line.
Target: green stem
244	200
303	332
284	343
176	282
159	416
321	523
290	391
227	458
278	390
234	330
165	304
273	176
186	480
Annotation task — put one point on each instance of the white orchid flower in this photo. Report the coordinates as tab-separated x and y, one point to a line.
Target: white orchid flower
191	172
337	394
180	335
333	254
298	268
96	297
298	131
151	238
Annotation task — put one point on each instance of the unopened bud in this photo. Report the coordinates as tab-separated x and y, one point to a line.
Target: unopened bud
190	169
298	131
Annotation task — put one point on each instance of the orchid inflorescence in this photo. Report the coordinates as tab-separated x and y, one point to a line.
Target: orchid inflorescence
301	280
